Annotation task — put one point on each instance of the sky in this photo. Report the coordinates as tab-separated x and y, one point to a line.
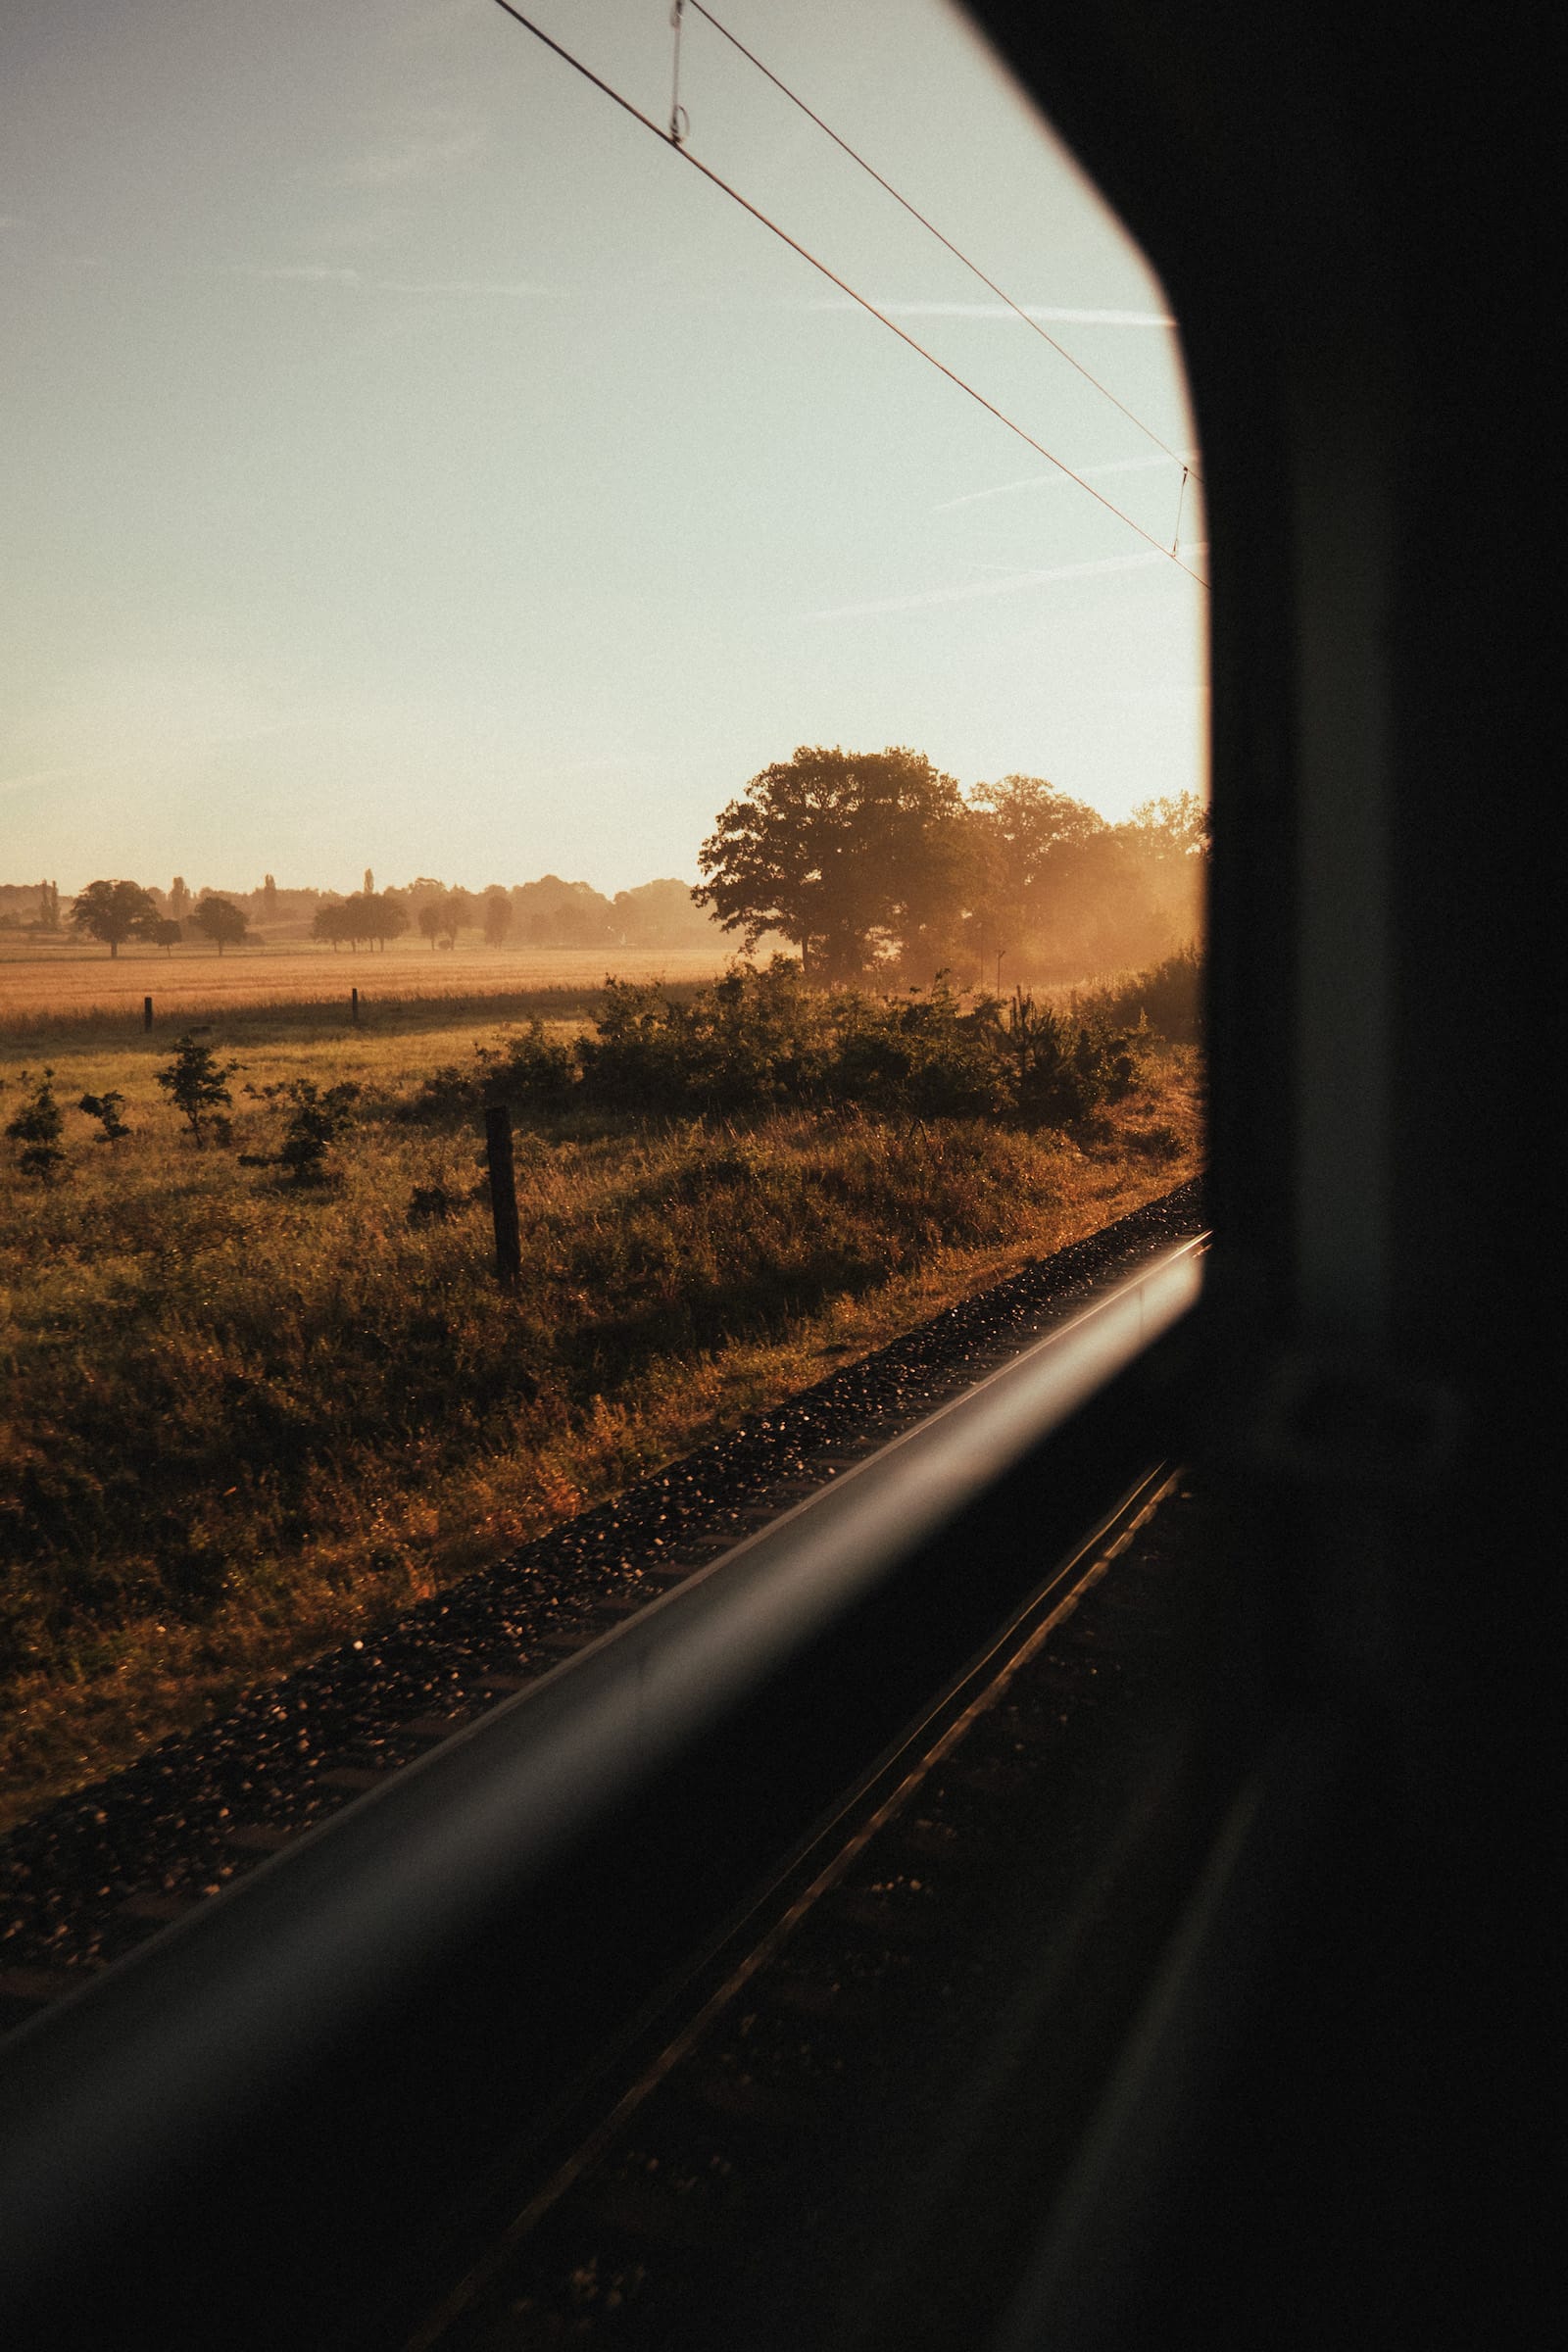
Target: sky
410	461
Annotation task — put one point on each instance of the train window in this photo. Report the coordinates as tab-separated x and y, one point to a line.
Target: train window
429	486
605	1099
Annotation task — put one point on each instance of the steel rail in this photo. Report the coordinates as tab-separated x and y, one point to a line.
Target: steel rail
251	2120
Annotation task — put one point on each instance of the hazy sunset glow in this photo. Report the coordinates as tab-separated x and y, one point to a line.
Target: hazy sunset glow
410	462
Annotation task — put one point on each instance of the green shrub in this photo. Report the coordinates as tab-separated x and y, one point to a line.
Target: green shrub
528	1069
317	1120
749	1041
1168	999
761	1041
105	1109
37	1127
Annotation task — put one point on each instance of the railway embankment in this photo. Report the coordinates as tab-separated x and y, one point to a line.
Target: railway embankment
89	1877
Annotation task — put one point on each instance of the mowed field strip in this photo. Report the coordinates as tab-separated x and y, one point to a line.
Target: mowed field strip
49	989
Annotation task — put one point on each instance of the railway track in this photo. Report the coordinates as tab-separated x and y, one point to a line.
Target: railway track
381	2030
829	2097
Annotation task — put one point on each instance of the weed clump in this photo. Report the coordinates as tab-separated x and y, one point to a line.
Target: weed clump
37	1127
432	1204
105	1109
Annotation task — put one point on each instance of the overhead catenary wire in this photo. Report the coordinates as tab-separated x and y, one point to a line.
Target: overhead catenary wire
974	267
665	139
679	120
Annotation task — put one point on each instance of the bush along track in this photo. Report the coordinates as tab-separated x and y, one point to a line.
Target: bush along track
760	1040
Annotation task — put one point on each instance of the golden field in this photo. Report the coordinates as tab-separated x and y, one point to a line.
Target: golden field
46	990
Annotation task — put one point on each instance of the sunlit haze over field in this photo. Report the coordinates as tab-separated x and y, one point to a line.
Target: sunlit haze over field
413	463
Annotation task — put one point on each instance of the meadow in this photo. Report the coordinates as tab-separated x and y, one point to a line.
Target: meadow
48	991
248	1418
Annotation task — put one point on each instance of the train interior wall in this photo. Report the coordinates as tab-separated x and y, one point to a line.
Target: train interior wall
1347	205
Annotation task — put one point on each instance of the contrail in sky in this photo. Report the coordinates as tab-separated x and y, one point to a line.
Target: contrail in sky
1000	310
1031	481
1009	585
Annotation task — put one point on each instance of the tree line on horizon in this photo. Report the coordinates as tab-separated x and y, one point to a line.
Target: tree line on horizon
547	912
869	864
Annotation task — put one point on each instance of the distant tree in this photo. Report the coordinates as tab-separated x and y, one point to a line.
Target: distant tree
179	899
195	1083
113	911
220	920
854	855
37	1127
1175	827
268	899
497	916
369	883
165	933
553	913
364	919
48	906
1035	856
442	914
660	914
385	917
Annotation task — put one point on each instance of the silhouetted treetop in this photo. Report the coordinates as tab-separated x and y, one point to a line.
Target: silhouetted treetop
853	855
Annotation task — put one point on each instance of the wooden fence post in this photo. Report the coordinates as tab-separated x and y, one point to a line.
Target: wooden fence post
147	1012
353	1006
503	1190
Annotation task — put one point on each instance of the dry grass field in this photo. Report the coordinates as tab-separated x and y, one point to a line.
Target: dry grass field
47	991
245	1418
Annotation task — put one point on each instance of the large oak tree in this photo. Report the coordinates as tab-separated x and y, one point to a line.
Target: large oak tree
855	857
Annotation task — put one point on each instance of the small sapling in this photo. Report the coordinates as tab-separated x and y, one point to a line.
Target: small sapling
37	1127
194	1082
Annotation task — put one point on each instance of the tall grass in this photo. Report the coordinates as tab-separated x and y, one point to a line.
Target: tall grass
248	1416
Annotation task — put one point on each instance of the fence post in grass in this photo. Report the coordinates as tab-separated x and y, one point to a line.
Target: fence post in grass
503	1190
353	1006
147	1012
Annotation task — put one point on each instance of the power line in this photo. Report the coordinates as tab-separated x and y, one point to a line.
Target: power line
666	140
931	227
